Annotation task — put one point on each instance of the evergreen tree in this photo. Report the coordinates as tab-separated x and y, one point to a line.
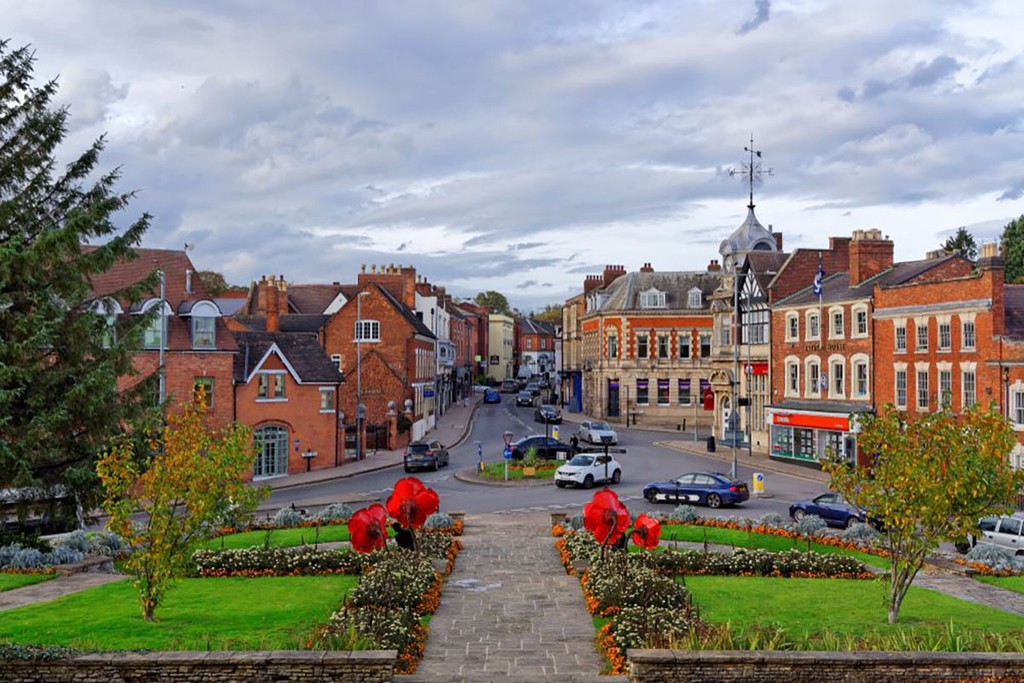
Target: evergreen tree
1013	250
60	354
962	241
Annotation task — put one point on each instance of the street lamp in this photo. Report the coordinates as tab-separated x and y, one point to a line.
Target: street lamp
163	335
360	408
507	438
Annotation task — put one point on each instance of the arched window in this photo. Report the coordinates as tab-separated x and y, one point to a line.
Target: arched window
271	451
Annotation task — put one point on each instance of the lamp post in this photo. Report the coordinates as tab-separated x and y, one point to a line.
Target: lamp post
163	336
360	408
507	438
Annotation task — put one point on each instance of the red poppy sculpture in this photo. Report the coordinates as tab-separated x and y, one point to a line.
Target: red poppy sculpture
606	517
368	529
646	532
411	503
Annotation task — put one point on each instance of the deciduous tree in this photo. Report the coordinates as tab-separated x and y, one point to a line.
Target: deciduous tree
191	481
931	478
60	353
495	301
552	313
1013	250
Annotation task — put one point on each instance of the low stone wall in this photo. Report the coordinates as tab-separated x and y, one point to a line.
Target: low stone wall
207	667
680	666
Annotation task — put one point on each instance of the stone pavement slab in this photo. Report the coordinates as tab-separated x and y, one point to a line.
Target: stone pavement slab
55	588
509	612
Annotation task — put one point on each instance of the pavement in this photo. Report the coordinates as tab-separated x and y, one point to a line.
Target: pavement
55	588
451	429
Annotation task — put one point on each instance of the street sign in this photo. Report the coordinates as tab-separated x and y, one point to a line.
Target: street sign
428	393
507	454
758	482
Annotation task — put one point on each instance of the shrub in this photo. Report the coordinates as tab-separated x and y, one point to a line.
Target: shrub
36	653
286	517
810	525
63	554
624	579
335	511
683	514
27	558
302	560
651	627
107	544
76	540
397	582
574	522
581	546
439	520
759	563
772	520
861	533
386	629
995	557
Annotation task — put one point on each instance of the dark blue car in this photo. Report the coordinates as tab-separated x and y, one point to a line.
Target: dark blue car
705	488
830	507
492	396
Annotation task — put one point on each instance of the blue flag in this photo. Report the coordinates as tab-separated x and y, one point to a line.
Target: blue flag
818	277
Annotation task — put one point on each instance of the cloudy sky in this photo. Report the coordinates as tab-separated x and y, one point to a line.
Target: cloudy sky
519	145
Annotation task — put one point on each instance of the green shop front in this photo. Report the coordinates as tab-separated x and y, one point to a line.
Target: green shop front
812	435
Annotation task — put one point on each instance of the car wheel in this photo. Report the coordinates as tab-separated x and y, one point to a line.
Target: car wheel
588	483
962	547
651	496
560	484
798	515
407	469
616	476
850	521
714	501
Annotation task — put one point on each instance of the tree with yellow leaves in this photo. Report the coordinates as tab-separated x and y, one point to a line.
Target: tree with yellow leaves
931	478
164	506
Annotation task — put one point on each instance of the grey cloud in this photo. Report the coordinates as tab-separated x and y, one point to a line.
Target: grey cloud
1016	191
89	95
761	11
939	68
527	284
846	94
526	245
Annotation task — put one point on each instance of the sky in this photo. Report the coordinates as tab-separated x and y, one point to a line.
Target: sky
519	145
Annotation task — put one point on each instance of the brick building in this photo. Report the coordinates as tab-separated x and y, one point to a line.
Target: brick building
536	348
288	391
646	345
571	376
479	316
824	367
198	347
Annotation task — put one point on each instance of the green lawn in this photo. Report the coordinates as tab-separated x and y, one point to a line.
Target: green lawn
1011	583
273	613
740	539
9	581
280	538
496	470
843	606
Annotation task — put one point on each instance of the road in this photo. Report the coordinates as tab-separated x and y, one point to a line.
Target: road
642	463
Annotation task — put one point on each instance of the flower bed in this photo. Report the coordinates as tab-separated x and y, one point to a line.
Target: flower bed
301	561
743	562
782	531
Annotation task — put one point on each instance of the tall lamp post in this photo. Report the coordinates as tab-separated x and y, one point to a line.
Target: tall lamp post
163	335
360	408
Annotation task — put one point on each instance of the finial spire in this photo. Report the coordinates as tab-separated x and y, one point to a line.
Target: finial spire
752	171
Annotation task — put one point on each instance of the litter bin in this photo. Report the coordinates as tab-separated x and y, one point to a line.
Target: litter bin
711	444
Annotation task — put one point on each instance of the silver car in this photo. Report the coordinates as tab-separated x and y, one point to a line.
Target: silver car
597	432
1006	531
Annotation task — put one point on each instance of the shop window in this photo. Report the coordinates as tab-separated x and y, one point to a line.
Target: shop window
685	398
642	397
663	395
782	441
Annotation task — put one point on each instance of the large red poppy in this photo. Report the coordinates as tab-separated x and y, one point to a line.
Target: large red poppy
646	532
411	503
606	517
368	528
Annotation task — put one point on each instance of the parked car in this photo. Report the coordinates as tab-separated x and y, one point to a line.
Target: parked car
587	469
508	386
425	455
831	507
479	388
524	398
1006	531
707	488
492	396
548	448
533	388
596	431
548	415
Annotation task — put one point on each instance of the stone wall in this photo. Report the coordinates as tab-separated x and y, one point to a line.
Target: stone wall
678	666
207	667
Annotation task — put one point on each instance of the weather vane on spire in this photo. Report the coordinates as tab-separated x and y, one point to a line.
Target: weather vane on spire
752	172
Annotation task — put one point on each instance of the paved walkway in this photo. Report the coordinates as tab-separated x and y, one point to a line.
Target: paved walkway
509	612
54	588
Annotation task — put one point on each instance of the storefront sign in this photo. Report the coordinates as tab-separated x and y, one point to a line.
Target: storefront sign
756	368
830	346
837	423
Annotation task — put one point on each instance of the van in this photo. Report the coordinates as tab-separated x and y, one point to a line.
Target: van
1005	531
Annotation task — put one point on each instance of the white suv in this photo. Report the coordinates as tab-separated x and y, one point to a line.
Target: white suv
587	469
1007	531
597	432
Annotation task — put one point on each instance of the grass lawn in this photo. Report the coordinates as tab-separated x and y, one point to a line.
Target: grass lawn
9	581
740	539
496	470
273	613
280	538
845	606
1010	583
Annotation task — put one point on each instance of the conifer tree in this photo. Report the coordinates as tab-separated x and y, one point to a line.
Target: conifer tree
60	356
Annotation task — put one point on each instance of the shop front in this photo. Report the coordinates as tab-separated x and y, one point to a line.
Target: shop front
812	436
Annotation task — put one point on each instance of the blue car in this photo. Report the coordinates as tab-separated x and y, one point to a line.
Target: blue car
706	488
830	507
492	396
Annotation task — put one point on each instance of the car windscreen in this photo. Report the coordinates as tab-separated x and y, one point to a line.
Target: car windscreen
603	426
582	461
418	448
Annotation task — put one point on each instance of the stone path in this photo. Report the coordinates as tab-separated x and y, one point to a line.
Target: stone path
54	588
966	588
509	612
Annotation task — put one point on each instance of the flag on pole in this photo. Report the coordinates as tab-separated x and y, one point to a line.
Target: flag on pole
818	277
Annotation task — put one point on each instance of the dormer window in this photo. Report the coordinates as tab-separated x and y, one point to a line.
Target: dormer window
652	298
156	331
694	298
108	309
202	317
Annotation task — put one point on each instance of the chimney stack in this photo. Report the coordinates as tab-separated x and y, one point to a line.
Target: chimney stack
272	296
611	273
870	254
714	266
647	268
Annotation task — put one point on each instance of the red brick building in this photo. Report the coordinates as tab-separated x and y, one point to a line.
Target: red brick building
198	347
481	326
536	340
